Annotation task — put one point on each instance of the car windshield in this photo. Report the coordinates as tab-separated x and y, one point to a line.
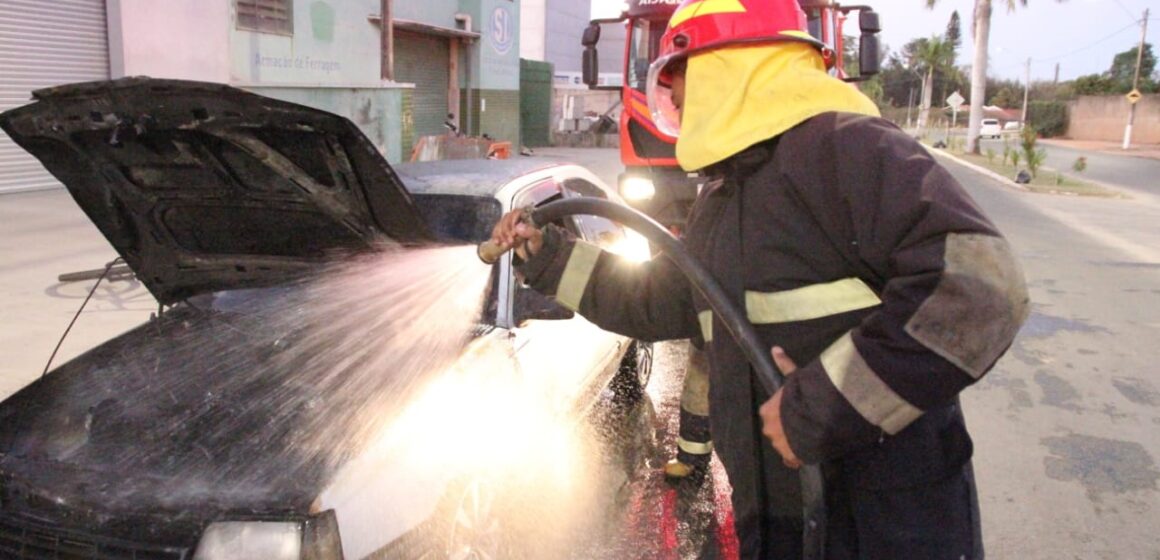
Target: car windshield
645	41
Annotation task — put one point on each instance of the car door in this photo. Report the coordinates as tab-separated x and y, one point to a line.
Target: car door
569	359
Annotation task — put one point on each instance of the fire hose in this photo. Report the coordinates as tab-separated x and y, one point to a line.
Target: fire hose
738	325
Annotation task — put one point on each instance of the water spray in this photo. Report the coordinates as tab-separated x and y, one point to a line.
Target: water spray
734	321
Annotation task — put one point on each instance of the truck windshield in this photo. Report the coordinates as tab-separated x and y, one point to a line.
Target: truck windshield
645	42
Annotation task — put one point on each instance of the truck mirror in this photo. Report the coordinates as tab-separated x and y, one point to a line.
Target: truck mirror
591	66
868	21
869	55
591	35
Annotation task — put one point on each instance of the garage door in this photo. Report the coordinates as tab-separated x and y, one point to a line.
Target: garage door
45	44
425	60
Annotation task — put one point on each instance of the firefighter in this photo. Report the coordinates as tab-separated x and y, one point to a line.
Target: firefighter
879	285
694	443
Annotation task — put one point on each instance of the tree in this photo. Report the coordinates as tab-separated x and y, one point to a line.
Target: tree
954	35
1093	84
930	55
1123	69
982	31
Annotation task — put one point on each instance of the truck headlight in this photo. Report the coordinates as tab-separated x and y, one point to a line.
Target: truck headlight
315	538
236	540
637	188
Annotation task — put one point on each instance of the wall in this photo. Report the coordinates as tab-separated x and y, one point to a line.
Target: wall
334	43
440	13
490	103
188	39
376	111
1104	118
533	18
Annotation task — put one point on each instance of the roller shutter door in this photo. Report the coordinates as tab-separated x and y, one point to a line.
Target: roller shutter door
425	60
45	44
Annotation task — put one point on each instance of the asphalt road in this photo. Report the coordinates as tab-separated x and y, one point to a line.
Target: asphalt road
1065	425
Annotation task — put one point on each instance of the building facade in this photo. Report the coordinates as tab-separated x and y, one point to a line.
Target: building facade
441	61
550	31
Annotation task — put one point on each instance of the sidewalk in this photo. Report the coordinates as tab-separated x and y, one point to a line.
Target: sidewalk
42	235
1150	151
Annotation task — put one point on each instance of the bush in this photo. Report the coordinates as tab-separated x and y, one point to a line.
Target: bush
1050	117
991	156
1015	158
1080	164
1027	140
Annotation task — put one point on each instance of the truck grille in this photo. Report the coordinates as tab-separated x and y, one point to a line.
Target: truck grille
26	541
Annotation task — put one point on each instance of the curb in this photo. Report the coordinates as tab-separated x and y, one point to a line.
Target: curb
978	169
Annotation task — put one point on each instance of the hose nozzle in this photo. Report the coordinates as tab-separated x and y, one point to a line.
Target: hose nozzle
489	251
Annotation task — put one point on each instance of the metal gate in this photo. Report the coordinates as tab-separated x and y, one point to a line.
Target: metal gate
45	44
424	60
535	103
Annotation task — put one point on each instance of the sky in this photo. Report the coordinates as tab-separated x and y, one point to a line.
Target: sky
1082	36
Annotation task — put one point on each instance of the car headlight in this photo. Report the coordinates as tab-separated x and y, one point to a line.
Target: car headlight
637	188
236	540
313	539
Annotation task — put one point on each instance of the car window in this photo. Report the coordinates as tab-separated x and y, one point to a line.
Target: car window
542	193
596	230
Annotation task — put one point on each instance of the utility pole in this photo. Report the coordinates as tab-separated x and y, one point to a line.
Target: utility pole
1136	80
1056	73
1026	93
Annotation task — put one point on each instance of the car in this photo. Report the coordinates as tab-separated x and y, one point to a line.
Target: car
1012	126
282	404
989	128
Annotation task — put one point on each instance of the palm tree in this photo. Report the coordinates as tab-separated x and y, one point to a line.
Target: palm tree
982	30
931	55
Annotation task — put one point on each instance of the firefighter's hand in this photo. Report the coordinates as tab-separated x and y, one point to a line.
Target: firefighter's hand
511	232
771	413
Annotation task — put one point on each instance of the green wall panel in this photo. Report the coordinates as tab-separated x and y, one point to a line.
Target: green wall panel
535	103
494	112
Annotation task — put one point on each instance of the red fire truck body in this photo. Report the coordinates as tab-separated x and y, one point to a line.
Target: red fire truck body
652	181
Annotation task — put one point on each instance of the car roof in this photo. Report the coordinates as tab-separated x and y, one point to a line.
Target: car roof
470	177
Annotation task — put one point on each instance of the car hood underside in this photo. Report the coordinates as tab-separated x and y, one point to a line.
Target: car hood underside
203	187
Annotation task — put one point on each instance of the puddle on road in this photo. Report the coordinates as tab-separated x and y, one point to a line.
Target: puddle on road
1057	391
1138	391
1127	264
1042	325
1100	465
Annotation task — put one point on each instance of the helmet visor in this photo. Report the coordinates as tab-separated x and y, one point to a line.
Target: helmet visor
659	89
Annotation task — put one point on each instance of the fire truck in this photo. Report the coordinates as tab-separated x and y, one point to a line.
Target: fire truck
652	181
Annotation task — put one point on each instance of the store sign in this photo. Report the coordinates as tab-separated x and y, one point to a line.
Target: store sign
502	30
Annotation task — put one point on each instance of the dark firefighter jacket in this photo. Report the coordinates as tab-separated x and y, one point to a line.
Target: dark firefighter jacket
850	247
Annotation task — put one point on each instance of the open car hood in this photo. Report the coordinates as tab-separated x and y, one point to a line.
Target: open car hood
203	187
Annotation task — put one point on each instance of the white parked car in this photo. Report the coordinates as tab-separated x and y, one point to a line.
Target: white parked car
990	129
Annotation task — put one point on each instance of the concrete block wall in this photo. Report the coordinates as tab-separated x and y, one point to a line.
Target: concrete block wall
1104	117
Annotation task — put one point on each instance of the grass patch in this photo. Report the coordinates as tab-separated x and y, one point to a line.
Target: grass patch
1049	181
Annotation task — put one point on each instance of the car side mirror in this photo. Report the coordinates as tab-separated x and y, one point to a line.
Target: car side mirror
530	304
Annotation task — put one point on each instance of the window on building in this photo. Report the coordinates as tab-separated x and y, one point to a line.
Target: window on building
266	16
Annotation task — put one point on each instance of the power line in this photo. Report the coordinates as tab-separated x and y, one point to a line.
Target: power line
1069	53
1126	11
